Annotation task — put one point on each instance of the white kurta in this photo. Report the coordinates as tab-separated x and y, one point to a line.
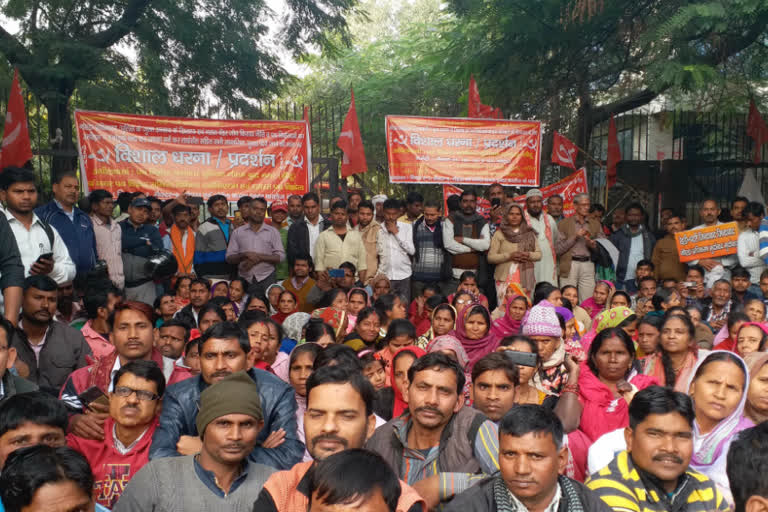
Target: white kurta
546	268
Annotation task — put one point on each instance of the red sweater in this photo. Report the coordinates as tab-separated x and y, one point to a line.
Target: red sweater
111	470
99	374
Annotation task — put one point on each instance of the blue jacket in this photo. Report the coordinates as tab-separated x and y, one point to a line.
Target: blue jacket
278	404
78	235
134	241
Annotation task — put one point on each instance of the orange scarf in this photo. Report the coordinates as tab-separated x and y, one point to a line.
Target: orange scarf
184	259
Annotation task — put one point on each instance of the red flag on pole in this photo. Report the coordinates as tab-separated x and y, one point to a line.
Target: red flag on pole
614	153
16	149
351	143
309	126
757	129
476	108
564	152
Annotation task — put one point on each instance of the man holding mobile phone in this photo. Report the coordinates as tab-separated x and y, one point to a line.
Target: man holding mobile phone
42	249
337	244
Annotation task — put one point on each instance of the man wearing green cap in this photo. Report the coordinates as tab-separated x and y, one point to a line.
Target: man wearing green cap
220	477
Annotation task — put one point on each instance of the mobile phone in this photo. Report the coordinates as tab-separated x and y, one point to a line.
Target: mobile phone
336	272
196	200
522	358
93	395
689	284
495	202
46	256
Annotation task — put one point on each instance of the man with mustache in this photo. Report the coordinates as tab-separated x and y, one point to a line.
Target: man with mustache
652	474
220	476
223	350
48	350
171	339
532	459
131	327
439	434
339	416
134	404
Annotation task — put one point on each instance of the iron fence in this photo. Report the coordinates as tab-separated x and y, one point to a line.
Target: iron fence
707	153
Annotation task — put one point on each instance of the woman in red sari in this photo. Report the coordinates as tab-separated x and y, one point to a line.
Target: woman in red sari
607	382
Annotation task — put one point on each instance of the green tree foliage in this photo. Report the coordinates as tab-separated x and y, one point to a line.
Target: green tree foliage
181	57
395	67
545	59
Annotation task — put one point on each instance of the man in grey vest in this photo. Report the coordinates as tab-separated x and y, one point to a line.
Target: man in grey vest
438	434
220	477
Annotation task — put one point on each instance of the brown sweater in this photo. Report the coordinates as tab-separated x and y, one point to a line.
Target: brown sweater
568	229
666	259
301	294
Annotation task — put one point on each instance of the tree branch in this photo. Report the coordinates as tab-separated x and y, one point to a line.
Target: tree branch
13	50
121	27
637	99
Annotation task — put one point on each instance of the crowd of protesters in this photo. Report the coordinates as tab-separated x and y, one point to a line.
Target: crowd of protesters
388	356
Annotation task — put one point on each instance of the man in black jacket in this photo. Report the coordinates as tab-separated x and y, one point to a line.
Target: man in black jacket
531	458
199	295
139	242
635	243
10	384
302	235
50	349
11	272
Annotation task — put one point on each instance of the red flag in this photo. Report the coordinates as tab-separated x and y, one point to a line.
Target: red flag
477	109
564	152
16	150
309	126
474	98
614	153
351	143
756	129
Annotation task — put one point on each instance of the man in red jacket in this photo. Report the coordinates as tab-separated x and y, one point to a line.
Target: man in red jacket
134	404
132	332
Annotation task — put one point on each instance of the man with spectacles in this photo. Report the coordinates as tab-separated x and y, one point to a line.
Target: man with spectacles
131	327
134	404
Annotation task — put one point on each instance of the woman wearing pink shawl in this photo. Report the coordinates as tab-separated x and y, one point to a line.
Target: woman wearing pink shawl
473	330
718	387
600	298
451	346
516	311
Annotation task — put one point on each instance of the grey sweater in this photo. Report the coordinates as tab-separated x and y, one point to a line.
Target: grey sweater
172	485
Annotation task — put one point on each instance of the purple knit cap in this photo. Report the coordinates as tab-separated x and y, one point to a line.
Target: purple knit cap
564	312
542	321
